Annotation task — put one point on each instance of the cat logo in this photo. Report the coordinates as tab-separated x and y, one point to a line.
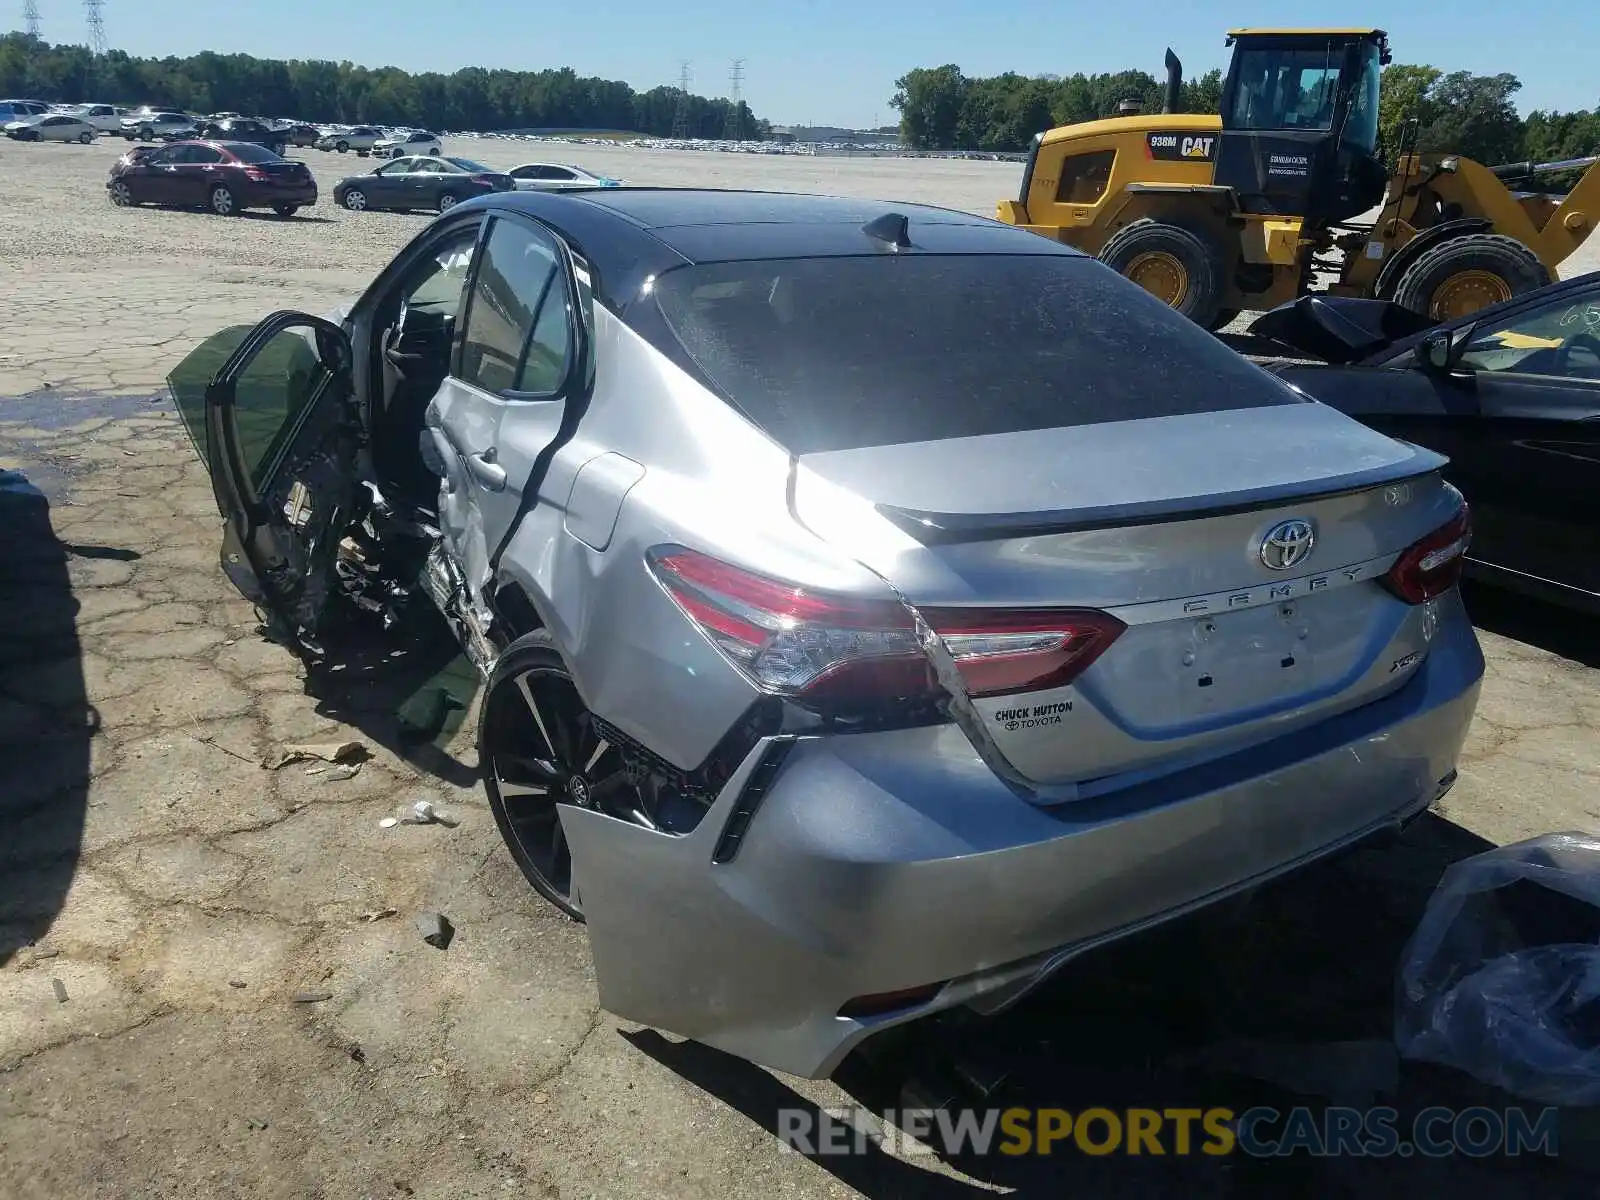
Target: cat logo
1180	147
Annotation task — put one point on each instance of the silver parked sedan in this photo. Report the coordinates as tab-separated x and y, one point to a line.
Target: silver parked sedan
878	605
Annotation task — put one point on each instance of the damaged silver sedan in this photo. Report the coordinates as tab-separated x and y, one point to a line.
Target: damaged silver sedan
878	605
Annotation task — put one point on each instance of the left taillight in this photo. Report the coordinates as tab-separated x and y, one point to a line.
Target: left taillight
812	645
1432	565
256	174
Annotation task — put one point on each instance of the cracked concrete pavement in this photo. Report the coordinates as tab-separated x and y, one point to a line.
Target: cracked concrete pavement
180	896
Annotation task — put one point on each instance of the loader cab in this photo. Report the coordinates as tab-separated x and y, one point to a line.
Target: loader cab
1300	122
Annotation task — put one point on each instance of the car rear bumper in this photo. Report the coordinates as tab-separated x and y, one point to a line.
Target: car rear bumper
266	195
883	862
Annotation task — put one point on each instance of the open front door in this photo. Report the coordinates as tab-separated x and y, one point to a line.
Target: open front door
272	415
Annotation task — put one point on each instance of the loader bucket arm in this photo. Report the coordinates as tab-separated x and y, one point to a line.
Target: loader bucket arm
1574	219
1481	193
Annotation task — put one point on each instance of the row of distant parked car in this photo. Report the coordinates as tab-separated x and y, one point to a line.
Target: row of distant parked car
228	176
36	121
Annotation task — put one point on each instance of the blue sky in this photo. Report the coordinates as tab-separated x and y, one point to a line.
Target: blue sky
835	61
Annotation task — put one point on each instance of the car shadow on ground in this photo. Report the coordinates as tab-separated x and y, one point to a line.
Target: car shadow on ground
46	721
1284	1002
408	694
1563	631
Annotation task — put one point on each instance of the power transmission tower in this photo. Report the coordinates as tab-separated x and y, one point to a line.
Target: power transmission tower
735	93
30	18
94	11
95	16
680	119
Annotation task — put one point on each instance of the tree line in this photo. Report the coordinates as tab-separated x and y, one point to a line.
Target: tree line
1474	115
323	91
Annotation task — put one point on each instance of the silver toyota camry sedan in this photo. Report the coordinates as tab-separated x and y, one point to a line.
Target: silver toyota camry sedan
877	605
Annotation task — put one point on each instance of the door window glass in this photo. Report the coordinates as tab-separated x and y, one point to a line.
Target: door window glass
545	365
1560	339
516	269
272	393
444	278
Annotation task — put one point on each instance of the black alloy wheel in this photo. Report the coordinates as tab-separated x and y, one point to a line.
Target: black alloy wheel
540	748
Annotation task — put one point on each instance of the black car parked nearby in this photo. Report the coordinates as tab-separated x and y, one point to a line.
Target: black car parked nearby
420	181
243	129
1510	393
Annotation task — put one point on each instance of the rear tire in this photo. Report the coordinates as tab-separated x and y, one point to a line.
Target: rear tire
223	202
1178	266
85	138
1224	318
286	210
1458	277
341	147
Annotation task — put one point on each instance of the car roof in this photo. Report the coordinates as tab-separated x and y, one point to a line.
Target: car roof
630	234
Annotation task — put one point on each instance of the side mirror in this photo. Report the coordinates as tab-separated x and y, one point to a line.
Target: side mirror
1436	352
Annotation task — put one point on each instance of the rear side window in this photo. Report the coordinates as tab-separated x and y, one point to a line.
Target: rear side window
516	273
249	152
840	353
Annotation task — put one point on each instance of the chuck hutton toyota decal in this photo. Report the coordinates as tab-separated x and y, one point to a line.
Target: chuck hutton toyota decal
1181	147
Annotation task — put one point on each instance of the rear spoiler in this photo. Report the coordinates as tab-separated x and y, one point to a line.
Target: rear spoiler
1338	329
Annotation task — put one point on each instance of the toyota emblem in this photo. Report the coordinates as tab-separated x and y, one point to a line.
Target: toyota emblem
1287	544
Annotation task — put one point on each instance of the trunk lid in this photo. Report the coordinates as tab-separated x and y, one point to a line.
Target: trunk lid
1161	523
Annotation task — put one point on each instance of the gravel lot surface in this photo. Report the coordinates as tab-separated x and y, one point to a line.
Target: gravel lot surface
193	1001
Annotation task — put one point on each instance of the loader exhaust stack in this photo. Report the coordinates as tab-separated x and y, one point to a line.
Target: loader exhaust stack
1174	83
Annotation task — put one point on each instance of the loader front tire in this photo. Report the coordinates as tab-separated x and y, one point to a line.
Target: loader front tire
1458	277
1178	266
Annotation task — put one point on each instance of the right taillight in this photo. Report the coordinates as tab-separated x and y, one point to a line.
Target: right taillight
1432	565
811	645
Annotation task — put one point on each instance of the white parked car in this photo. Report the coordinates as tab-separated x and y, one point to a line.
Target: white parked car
540	177
106	118
56	127
155	125
418	141
360	138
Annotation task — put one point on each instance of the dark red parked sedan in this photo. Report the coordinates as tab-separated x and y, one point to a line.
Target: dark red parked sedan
225	177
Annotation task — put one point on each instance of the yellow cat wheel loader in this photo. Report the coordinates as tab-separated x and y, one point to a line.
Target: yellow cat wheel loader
1247	210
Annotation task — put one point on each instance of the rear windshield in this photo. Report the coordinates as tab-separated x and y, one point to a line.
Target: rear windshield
467	164
840	353
251	153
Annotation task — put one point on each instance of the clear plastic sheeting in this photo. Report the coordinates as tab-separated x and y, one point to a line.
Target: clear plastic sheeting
1502	977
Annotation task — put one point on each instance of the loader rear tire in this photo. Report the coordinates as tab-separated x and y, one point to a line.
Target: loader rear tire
1178	266
1458	277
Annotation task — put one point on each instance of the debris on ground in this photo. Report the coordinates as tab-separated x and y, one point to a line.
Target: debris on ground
379	914
312	997
435	929
328	752
388	822
424	813
236	983
41	950
1502	977
341	772
60	990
